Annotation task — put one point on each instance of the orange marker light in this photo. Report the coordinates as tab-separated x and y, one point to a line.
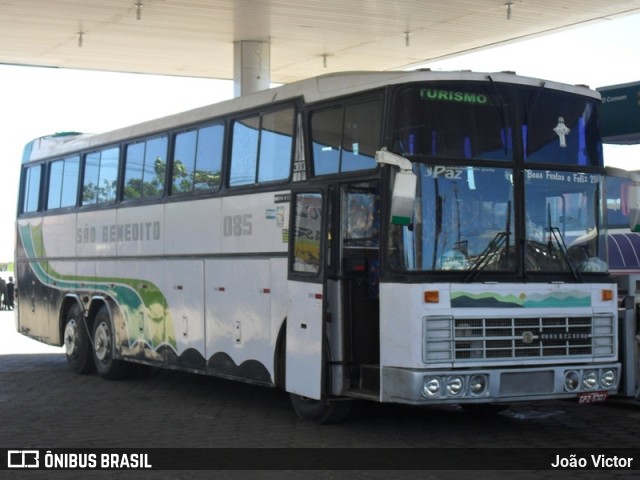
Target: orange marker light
432	296
607	295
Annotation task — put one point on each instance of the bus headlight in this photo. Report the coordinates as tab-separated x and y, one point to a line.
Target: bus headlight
455	385
478	384
571	381
431	387
589	379
608	378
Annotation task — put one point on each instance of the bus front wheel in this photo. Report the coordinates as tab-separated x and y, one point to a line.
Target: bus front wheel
322	412
104	348
77	346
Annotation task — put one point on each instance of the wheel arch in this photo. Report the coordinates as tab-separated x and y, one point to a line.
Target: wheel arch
89	313
280	362
107	335
117	320
280	358
68	302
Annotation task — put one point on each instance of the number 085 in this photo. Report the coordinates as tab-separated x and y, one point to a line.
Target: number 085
237	225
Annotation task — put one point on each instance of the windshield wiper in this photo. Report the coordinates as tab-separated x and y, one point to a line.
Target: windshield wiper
496	243
554	232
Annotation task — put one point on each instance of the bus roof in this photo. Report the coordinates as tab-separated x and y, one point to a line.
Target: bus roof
311	90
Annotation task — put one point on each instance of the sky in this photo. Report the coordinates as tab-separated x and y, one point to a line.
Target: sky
40	101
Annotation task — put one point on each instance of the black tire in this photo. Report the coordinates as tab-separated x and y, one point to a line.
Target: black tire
104	348
76	342
321	412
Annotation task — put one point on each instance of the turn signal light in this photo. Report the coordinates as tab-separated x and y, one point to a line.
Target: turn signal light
432	296
607	295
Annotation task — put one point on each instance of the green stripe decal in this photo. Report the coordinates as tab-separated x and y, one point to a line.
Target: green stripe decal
141	302
574	298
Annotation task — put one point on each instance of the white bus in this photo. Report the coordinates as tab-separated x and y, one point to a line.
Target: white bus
414	237
624	264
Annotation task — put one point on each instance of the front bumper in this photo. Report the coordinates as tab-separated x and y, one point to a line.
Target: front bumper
499	385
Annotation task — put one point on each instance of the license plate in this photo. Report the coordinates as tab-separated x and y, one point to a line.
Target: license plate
592	397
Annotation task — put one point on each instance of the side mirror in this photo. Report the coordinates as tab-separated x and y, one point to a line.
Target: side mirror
404	187
403	198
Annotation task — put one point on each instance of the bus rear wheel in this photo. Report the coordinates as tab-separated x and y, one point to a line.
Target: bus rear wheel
321	412
104	348
77	346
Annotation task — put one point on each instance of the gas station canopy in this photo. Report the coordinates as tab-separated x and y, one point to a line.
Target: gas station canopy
297	38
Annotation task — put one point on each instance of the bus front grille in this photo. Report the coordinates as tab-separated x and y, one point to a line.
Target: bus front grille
474	339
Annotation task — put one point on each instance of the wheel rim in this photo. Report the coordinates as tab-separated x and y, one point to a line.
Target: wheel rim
102	342
71	338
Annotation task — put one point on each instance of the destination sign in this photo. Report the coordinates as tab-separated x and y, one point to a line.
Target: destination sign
453	96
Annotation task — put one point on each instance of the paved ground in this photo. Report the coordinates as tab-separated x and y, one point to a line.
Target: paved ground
42	405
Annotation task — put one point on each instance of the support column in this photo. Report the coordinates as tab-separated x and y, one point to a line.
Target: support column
251	67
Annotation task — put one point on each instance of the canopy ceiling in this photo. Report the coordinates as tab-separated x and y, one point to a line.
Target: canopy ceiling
306	37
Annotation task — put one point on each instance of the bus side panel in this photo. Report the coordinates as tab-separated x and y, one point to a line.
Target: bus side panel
61	281
279	298
192	227
32	283
86	277
33	305
59	238
305	359
142	326
401	312
59	235
183	287
138	231
94	233
254	224
238	313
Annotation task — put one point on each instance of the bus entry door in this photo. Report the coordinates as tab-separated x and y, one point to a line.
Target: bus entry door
359	275
305	326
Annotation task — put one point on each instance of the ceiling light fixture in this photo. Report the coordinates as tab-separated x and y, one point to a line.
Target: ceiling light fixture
508	5
139	6
80	35
406	39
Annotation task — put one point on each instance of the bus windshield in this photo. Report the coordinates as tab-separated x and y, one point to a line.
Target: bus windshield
563	218
459	212
496	122
509	180
464	220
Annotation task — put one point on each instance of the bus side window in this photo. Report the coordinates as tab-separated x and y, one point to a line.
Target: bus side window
244	151
262	148
31	189
361	219
361	136
100	176
276	142
63	182
344	139
326	132
307	230
197	160
145	166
